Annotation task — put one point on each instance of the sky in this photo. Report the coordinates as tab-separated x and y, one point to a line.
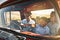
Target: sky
1	1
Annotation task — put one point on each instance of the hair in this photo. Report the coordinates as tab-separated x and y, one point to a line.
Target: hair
29	13
53	13
45	19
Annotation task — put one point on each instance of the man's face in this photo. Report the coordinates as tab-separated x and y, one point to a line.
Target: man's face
42	22
27	17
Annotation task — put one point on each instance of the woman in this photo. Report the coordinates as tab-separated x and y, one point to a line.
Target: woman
53	24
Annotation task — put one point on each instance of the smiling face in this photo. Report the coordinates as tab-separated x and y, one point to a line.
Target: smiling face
52	17
43	22
28	16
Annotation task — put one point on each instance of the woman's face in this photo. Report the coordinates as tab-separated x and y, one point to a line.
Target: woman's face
52	18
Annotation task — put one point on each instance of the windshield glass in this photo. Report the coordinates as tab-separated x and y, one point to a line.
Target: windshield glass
39	17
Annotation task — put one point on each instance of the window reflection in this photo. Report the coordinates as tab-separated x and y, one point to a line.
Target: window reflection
13	15
7	18
41	13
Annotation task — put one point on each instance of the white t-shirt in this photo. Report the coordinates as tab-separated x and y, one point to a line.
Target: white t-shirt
24	21
27	28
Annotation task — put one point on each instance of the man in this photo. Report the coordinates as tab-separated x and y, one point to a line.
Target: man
41	27
27	23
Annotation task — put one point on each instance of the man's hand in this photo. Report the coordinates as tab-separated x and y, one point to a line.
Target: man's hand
26	25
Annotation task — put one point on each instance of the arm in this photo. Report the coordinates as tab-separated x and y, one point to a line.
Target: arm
47	31
32	23
22	23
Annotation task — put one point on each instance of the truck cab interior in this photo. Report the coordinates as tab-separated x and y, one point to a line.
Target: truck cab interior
12	12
